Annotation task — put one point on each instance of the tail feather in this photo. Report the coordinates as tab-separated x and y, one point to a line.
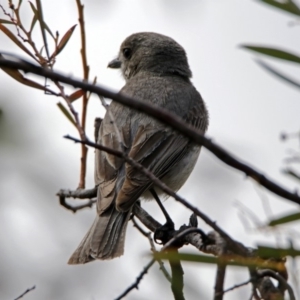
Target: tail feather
105	239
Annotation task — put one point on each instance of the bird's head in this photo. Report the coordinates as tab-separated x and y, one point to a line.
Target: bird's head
152	53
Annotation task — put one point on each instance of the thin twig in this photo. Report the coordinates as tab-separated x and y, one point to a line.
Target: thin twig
86	69
78	194
236	286
148	266
62	201
26	292
153	249
135	285
164	116
160	262
139	228
85	66
79	127
81	131
19	26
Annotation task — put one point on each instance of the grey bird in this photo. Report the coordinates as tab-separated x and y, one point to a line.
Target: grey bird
156	70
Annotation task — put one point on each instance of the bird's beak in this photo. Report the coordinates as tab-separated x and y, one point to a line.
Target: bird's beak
114	64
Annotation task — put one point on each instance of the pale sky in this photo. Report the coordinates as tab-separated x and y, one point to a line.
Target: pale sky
248	109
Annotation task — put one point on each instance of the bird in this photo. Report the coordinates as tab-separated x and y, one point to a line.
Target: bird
156	70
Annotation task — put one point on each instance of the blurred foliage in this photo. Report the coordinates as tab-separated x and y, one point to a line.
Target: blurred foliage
270	252
12	26
285	219
290	7
287	5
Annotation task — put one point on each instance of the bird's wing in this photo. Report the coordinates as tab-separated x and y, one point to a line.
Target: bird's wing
157	149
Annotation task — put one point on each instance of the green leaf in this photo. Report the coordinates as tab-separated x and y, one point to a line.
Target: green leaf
265	251
285	219
33	22
287	5
6	22
66	113
273	52
225	260
278	74
292	173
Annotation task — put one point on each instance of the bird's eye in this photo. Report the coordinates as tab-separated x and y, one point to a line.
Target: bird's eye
127	53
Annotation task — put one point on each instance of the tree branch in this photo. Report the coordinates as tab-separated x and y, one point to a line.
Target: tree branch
78	194
234	246
26	292
135	285
162	115
152	247
282	282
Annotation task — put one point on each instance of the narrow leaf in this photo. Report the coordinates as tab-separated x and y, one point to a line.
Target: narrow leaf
6	22
33	22
287	5
285	219
265	251
15	74
281	54
19	4
94	82
223	260
66	113
18	76
63	42
291	173
36	13
76	95
278	74
15	40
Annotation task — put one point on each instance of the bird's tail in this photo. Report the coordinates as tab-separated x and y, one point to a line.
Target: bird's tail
105	239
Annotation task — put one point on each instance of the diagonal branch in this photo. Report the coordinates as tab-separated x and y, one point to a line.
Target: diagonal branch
26	292
232	245
135	285
152	247
165	117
